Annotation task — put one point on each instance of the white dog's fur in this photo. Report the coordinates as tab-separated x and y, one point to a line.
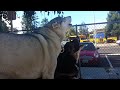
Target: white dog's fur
32	56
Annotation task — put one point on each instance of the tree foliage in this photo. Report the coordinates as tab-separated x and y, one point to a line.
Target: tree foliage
113	29
3	25
4	14
55	12
71	32
44	21
83	29
29	19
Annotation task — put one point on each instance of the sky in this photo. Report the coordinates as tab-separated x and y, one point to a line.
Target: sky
77	17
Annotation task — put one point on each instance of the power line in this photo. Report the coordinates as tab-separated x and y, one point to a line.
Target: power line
99	23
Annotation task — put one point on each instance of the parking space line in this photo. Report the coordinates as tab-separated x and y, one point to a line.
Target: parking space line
110	54
114	71
109	61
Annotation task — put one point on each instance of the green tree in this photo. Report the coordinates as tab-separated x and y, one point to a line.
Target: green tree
44	21
4	14
29	19
60	13
83	29
3	25
35	23
113	29
71	32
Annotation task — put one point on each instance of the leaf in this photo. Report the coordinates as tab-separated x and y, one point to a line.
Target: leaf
54	12
59	12
48	13
113	28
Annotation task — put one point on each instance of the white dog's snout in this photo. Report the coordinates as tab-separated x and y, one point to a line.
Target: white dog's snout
68	18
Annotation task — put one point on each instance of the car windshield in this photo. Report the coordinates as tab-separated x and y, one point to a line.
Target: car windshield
88	46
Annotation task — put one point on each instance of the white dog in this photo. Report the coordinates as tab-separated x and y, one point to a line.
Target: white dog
32	56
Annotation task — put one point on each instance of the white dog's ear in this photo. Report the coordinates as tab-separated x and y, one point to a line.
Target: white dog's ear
68	18
55	25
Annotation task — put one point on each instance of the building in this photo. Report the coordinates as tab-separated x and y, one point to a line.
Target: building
100	33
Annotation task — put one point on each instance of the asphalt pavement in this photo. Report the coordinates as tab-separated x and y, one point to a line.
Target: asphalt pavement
109	66
109	48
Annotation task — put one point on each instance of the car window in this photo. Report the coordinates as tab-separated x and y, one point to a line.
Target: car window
88	46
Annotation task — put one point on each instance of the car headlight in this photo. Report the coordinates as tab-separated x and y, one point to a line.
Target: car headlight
96	55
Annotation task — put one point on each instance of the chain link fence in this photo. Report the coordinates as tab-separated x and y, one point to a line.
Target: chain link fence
96	34
109	51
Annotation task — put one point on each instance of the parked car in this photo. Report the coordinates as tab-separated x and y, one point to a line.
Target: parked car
118	42
89	54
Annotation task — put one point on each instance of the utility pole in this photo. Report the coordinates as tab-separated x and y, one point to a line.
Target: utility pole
76	31
11	21
94	29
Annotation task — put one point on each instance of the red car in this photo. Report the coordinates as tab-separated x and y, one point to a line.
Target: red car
89	54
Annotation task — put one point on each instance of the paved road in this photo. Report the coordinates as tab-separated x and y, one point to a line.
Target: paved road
110	63
109	48
104	62
109	69
115	60
110	54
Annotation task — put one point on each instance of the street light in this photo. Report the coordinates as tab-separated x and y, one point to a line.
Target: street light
94	28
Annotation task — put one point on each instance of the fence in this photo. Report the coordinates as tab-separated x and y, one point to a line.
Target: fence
107	44
109	51
98	37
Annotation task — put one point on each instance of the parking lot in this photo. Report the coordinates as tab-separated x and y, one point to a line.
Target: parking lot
109	49
110	54
109	66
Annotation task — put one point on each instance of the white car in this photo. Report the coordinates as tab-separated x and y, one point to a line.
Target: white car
118	42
